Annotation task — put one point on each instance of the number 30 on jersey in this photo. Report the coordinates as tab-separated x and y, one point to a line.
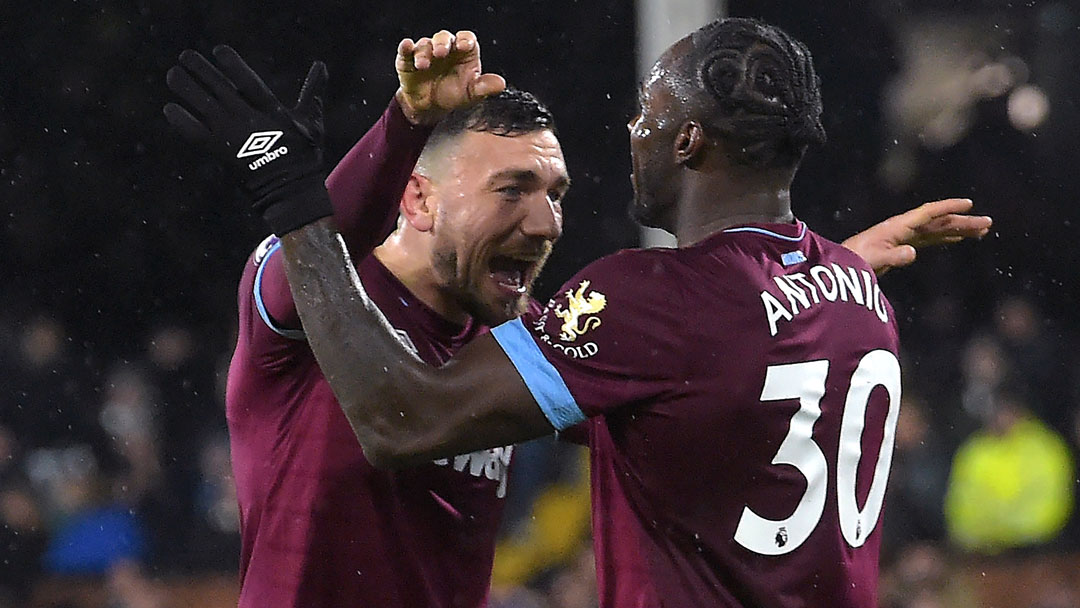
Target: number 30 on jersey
806	382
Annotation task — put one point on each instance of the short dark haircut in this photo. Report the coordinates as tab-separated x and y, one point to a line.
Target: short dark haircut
510	113
758	89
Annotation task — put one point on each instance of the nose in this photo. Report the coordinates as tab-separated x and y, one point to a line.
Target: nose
543	218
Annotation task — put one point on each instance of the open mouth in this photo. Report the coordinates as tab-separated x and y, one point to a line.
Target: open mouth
512	273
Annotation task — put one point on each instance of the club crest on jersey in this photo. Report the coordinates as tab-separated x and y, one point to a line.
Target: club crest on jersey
577	316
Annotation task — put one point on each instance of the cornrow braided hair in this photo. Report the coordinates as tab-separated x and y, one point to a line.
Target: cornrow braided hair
764	92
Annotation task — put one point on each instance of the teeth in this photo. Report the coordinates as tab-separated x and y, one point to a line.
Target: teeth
510	278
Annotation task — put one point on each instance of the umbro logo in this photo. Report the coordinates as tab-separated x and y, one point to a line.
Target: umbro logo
258	143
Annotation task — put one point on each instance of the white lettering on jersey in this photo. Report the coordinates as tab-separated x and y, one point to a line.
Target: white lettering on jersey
795	293
494	464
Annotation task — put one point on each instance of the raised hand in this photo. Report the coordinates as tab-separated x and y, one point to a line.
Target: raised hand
440	74
274	151
893	242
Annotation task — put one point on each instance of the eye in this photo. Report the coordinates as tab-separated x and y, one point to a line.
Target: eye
511	193
556	196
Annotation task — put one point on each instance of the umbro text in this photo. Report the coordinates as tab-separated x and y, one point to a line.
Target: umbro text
266	158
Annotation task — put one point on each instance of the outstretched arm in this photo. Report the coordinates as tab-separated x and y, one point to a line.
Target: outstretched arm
893	242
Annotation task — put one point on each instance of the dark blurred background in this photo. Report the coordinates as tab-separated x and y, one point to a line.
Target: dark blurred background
121	249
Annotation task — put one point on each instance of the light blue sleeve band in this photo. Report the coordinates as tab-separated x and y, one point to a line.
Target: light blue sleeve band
292	334
543	380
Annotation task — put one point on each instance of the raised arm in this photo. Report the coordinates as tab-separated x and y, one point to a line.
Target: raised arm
229	107
366	185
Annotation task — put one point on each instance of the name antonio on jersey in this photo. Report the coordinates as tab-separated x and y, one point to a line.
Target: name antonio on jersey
795	292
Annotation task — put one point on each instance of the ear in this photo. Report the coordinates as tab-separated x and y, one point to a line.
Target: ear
689	143
417	205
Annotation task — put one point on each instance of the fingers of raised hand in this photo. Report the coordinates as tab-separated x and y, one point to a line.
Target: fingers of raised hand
250	85
309	101
465	41
194	94
441	44
404	60
219	86
423	53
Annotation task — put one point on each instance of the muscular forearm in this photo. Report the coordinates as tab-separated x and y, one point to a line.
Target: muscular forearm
402	410
377	381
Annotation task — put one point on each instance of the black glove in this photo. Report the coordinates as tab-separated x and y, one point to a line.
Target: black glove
277	152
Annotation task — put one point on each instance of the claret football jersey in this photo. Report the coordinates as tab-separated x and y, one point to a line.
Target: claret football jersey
320	526
741	398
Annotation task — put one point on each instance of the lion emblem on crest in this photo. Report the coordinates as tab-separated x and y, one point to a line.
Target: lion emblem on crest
580	305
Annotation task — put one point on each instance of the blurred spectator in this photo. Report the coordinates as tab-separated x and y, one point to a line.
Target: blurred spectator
1057	596
47	403
917	481
213	541
575	586
62	477
22	541
127	418
1036	358
129	588
182	372
1011	484
984	367
922	577
94	539
937	343
9	453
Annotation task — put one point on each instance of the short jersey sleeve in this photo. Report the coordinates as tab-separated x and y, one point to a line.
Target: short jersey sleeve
610	338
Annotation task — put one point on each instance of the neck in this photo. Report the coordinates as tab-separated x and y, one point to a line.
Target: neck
711	203
416	274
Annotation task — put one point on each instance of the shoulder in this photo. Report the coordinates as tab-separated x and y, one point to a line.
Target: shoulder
271	292
632	270
633	291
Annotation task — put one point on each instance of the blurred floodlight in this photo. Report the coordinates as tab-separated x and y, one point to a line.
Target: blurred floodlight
1028	107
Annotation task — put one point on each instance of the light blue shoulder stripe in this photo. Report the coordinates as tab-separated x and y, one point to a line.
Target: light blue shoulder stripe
292	334
543	380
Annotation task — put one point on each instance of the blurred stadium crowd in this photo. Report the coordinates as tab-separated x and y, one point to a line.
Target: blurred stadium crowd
121	253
